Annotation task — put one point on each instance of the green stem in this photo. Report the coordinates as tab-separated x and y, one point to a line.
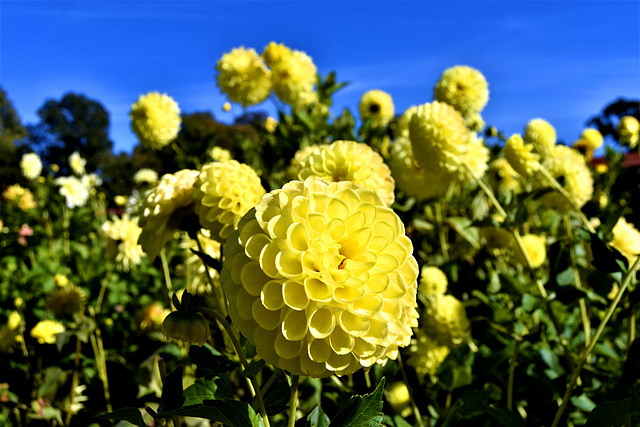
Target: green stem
442	232
512	370
586	323
416	411
576	373
103	288
165	270
293	401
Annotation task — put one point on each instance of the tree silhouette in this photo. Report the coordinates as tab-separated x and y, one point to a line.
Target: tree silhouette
607	121
11	130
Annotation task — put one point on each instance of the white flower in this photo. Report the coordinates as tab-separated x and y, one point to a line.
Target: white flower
31	165
77	163
73	190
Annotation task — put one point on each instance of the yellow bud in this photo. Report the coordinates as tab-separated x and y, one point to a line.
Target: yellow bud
399	398
226	107
61	280
120	200
108	321
55	167
186	327
18	302
41	179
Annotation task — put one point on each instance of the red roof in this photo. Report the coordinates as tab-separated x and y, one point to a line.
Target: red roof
631	160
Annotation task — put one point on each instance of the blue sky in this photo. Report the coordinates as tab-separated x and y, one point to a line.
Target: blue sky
562	61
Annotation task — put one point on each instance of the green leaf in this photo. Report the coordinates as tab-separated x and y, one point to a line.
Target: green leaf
317	418
229	412
395	421
454	376
464	228
217	388
131	415
172	396
277	398
606	259
210	361
361	411
253	369
610	413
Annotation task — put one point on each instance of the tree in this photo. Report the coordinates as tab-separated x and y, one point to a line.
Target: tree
607	121
11	130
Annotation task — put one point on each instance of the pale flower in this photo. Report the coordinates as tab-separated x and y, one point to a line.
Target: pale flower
45	331
376	106
425	354
629	131
77	163
536	250
244	77
31	165
464	88
122	242
145	175
445	320
75	192
593	137
220	154
626	239
520	156
294	76
432	281
320	277
155	119
541	135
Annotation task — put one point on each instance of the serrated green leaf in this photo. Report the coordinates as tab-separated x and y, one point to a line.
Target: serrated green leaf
131	415
361	411
253	369
317	418
202	389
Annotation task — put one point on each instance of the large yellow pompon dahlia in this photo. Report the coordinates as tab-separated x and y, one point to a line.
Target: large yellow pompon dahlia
293	75
164	208
122	242
570	169
224	192
377	106
520	156
541	135
320	276
464	88
155	119
410	178
626	239
244	76
629	131
350	161
402	124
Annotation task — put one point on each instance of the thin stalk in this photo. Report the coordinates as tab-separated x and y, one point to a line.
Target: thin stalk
65	232
632	326
165	270
219	303
444	246
416	411
586	322
74	379
270	381
513	362
99	364
103	288
576	373
293	401
492	198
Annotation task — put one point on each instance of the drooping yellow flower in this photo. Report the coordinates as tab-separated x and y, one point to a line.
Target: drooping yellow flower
593	137
541	135
244	77
164	208
224	192
425	354
220	154
520	156
145	175
21	196
583	147
536	250
433	281
350	161
77	163
45	331
293	75
570	169
122	242
503	178
464	88
155	119
377	106
445	320
75	192
399	398
31	165
629	131
320	277
626	239
410	178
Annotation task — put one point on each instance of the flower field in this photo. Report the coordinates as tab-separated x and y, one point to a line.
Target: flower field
378	267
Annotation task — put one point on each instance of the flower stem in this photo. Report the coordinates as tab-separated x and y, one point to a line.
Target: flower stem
416	411
103	288
165	270
293	401
576	373
512	369
586	323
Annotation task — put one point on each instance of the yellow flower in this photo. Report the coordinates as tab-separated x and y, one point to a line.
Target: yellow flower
122	242
220	154
145	175
120	200
503	178
536	250
413	180
433	281
568	167
155	119
377	106
626	239
14	320
31	165
350	161
152	316
402	124
18	302
445	320
593	137
320	277
164	208
583	147
294	75
602	168
425	354
244	77
77	163
226	107
275	53
270	124
629	131
541	135
21	196
224	192
74	191
464	88
298	159
520	157
399	398
475	122
45	331
66	301
61	280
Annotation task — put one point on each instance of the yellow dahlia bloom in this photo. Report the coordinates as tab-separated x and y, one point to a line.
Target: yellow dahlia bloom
31	165
570	168
475	122
433	281
224	192
77	163
402	124
220	154
21	196
520	156
75	192
425	354
413	180
320	277
350	161
122	242
541	135
626	239
464	88
155	119
399	398
270	124
275	53
164	208
629	131
14	321
244	77
45	331
445	320
294	75
503	178
584	147
298	159
146	175
593	137
536	250
377	106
